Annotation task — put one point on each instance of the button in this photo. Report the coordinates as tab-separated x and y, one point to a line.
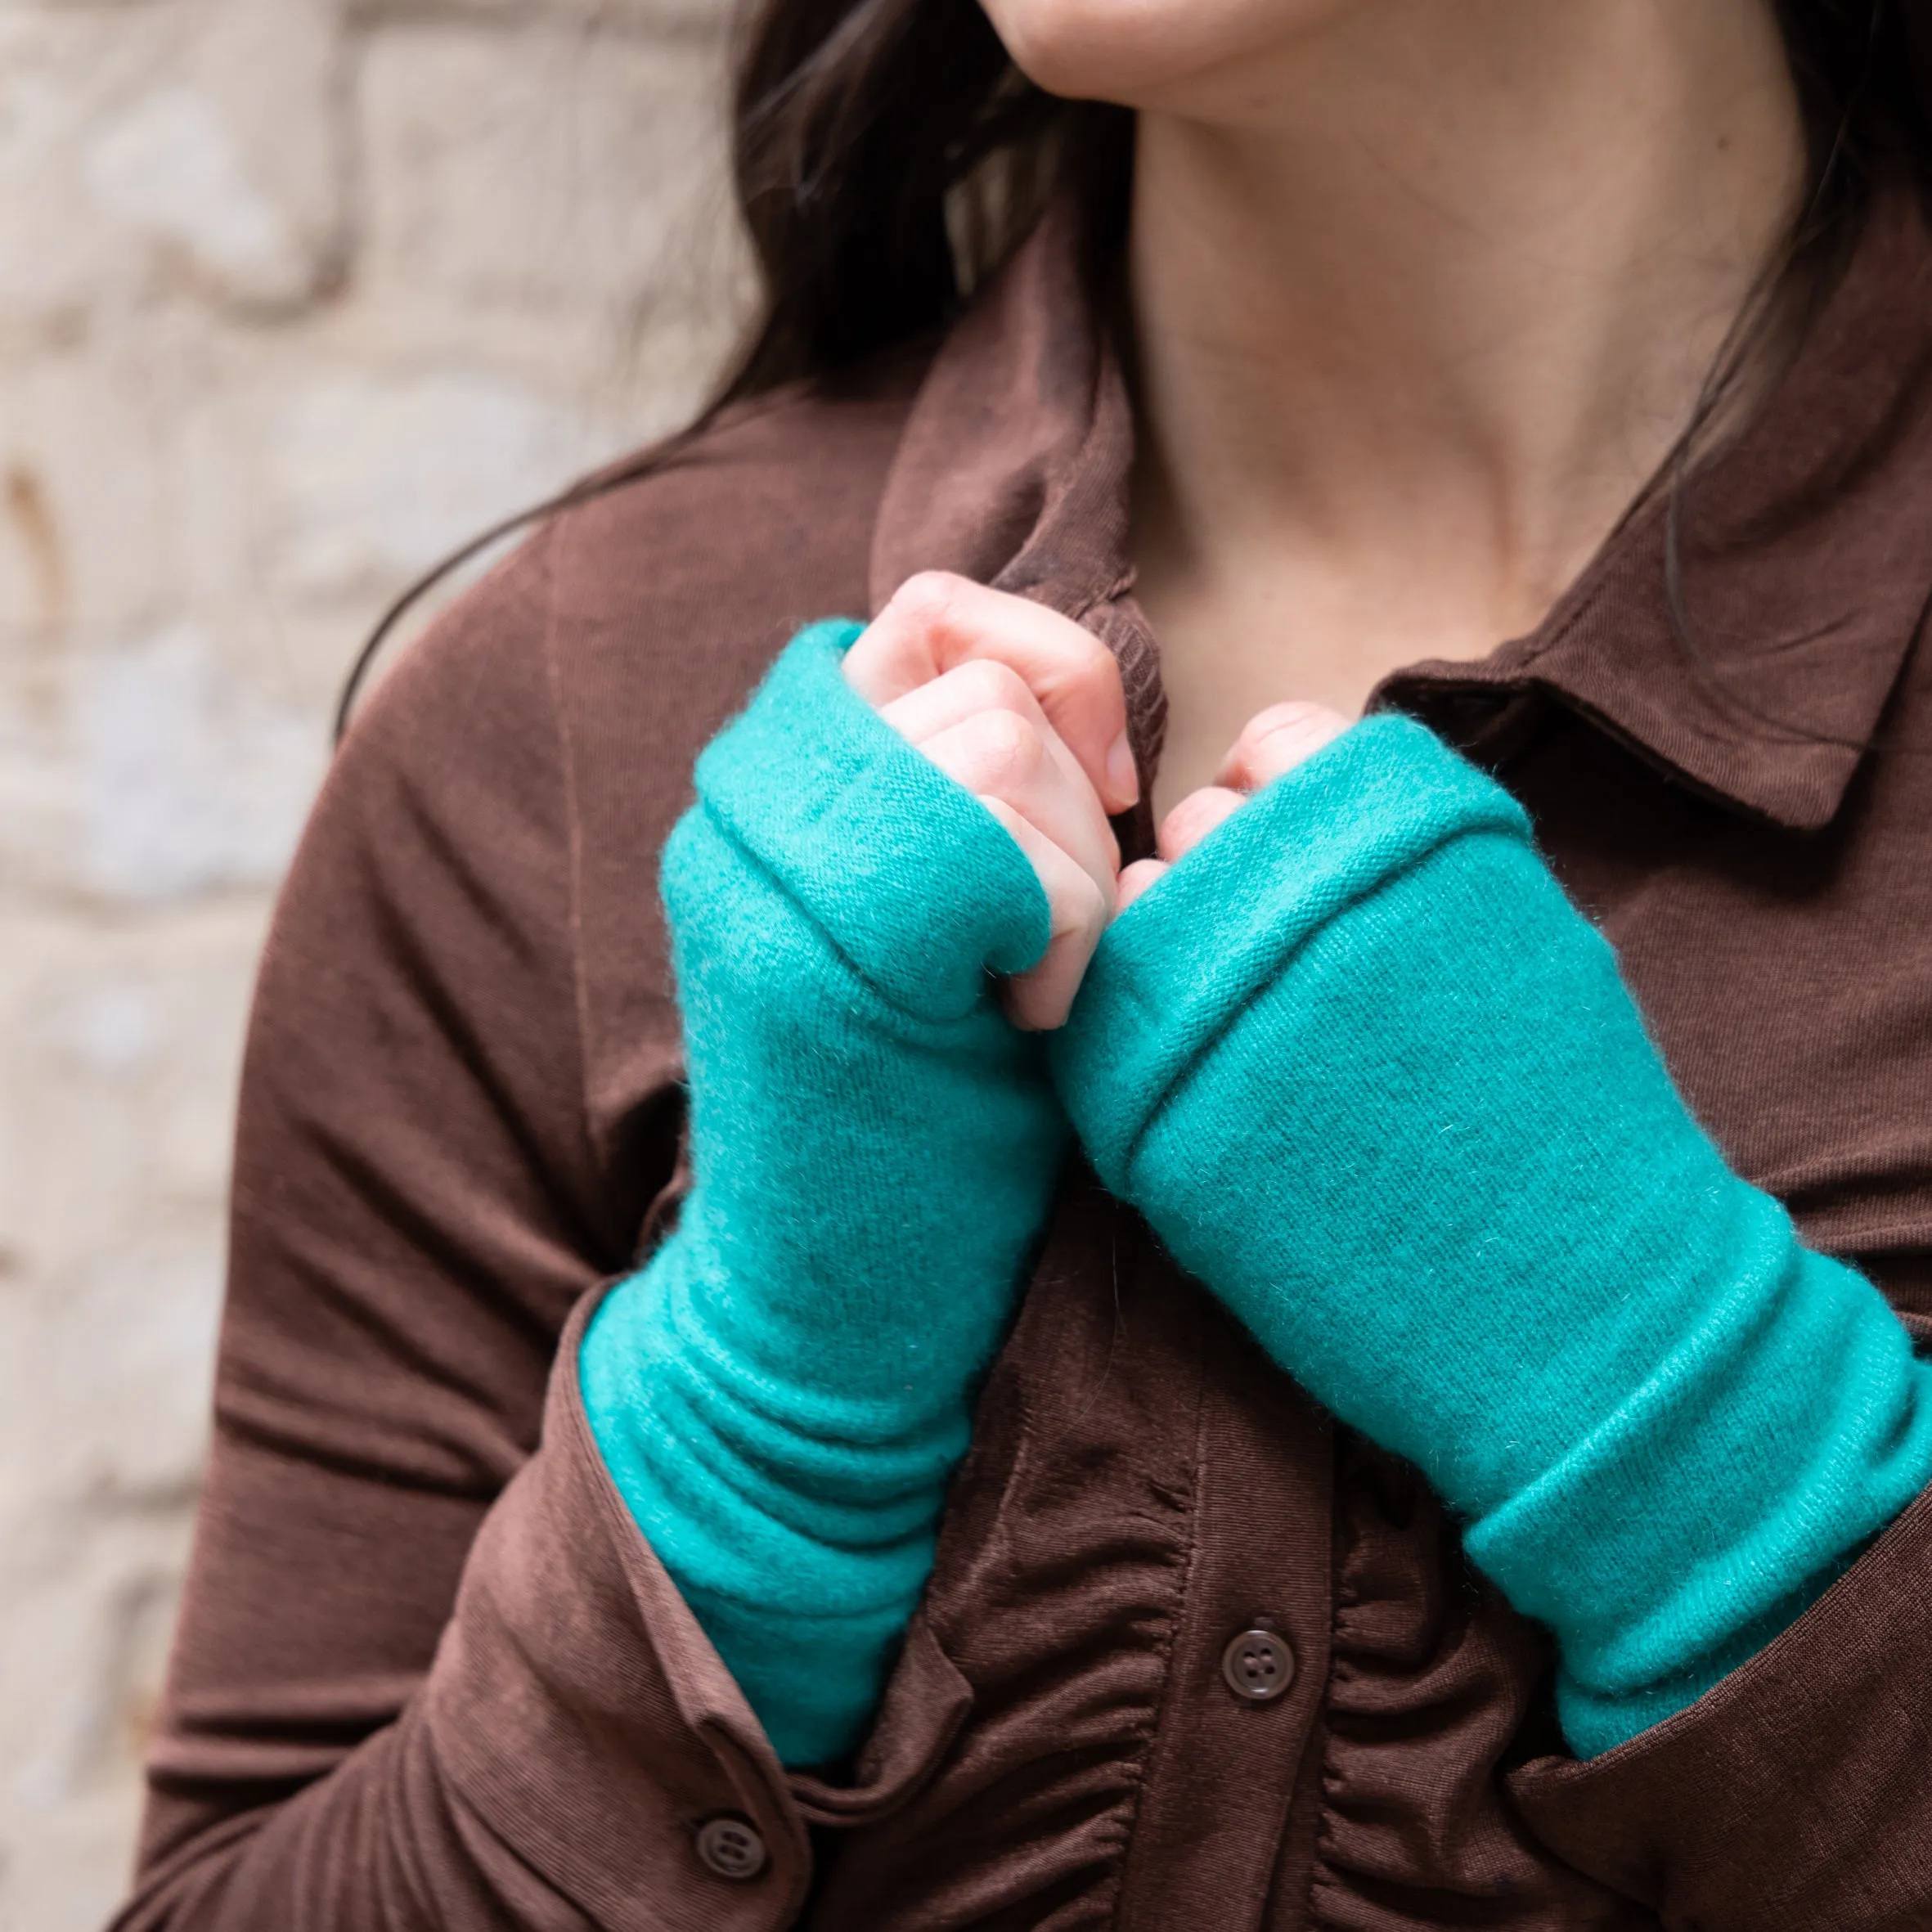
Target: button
731	1848
1258	1666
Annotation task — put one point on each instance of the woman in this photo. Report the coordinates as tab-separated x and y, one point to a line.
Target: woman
1420	1475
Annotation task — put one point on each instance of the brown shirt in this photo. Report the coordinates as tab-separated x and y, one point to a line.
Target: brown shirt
429	1675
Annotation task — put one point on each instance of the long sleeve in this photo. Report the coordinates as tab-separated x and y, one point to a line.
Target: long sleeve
549	1772
1376	1082
427	1675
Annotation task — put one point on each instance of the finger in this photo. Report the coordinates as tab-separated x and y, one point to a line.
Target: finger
1194	817
1000	754
1040	998
1134	880
982	685
1275	741
932	711
936	621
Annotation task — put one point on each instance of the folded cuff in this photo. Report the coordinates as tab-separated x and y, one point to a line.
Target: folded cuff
1176	968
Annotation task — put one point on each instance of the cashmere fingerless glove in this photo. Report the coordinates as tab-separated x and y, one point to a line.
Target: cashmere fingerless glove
782	1393
1373	1079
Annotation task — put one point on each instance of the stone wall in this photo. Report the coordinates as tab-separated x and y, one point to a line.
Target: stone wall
293	295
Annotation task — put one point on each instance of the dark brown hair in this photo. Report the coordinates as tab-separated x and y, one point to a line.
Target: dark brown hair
887	154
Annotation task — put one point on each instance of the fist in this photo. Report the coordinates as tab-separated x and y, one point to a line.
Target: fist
1025	709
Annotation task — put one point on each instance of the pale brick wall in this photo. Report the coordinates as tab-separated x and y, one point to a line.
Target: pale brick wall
293	294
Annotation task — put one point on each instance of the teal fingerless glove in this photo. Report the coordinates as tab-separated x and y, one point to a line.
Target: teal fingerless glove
1374	1081
782	1393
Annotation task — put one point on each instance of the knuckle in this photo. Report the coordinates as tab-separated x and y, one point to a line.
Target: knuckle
1006	685
1135	879
1082	672
1005	748
1097	668
1290	710
927	599
996	684
1263	727
1192	819
1296	719
1276	740
1193	812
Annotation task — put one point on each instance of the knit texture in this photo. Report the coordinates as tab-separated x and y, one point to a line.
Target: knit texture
782	1392
1374	1081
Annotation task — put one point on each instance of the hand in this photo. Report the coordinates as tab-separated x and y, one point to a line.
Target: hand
1271	742
783	1393
1025	709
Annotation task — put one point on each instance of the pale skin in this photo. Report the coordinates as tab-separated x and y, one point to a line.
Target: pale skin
1422	293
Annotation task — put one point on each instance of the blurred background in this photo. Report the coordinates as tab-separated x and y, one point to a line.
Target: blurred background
295	296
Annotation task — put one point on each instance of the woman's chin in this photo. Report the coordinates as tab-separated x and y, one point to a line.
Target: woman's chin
1139	52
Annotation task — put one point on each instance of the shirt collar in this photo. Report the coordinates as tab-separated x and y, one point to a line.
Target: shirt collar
1804	547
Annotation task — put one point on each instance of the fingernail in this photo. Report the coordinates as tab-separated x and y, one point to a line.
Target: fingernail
1123	778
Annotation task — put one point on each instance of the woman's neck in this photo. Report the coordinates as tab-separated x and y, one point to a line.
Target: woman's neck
1419	305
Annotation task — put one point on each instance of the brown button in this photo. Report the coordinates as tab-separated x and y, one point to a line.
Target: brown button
731	1848
1258	1666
